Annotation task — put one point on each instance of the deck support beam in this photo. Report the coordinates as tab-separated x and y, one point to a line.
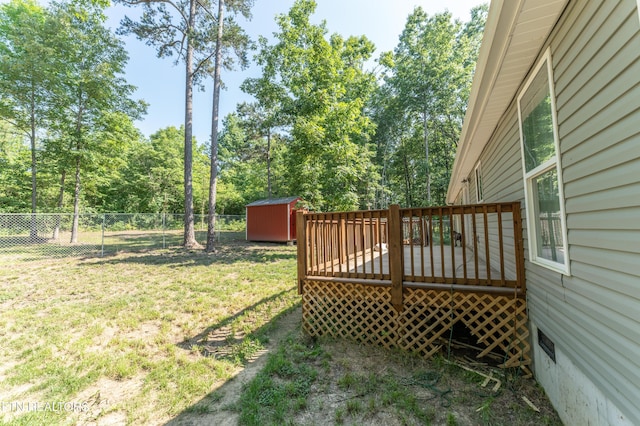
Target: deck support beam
301	241
396	267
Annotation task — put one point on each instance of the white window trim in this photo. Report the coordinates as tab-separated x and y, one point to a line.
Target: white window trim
479	183
465	193
546	166
638	10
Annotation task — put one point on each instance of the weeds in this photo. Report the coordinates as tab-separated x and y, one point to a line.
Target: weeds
365	385
280	390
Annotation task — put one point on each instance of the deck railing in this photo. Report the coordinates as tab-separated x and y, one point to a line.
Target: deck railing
347	244
466	248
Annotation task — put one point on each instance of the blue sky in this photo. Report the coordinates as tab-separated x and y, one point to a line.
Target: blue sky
161	83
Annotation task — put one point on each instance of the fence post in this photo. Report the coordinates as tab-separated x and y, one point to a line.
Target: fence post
396	251
103	225
164	215
301	241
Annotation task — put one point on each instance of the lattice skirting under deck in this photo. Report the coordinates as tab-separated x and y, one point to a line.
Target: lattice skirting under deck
365	313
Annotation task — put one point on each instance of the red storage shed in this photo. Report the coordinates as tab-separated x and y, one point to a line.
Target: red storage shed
272	220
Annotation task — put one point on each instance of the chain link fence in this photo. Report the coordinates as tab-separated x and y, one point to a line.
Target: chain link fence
41	235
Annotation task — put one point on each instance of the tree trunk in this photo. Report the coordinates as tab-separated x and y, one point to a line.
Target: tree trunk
213	179
407	180
76	204
426	148
56	229
34	224
76	191
189	230
269	162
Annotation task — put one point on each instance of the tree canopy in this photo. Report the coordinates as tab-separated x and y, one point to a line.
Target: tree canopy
329	121
318	86
427	79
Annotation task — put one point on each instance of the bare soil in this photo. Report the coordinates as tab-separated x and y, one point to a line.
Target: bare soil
459	397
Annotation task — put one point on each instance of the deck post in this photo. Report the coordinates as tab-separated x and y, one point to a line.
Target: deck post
519	247
301	241
344	246
396	269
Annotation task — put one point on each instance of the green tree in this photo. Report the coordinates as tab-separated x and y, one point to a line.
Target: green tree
190	30
116	138
91	60
229	36
25	76
14	170
320	89
426	86
151	178
175	27
259	123
238	171
249	160
162	172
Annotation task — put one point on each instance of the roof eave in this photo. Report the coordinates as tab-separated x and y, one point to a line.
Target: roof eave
509	39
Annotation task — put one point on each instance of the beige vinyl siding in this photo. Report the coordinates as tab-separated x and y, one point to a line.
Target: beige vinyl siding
502	181
508	246
492	234
577	340
472	189
593	315
502	168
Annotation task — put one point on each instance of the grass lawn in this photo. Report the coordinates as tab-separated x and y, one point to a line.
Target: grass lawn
175	337
96	243
127	336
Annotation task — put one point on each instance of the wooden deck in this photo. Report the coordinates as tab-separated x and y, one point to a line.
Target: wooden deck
393	278
426	262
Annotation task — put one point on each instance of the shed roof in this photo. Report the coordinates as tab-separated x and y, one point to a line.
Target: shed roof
514	35
273	201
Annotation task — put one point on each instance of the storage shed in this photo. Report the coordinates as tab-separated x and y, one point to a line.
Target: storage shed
272	220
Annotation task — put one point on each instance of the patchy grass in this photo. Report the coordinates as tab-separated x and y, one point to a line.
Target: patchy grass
134	337
158	337
282	387
95	243
328	381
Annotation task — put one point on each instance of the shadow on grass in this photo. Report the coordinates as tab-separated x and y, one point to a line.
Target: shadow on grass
95	244
214	408
135	241
226	253
214	329
38	248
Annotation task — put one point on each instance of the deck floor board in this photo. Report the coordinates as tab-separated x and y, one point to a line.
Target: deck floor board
366	265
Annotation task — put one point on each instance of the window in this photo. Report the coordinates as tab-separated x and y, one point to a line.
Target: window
544	196
479	196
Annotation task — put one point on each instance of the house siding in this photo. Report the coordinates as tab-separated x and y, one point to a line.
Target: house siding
593	315
503	180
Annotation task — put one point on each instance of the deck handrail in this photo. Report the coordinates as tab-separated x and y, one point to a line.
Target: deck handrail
477	246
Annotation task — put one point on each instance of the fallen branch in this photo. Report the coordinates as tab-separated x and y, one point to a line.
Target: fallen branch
530	404
488	378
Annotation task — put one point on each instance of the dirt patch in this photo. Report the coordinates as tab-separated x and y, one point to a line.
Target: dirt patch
102	403
145	331
360	384
376	386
